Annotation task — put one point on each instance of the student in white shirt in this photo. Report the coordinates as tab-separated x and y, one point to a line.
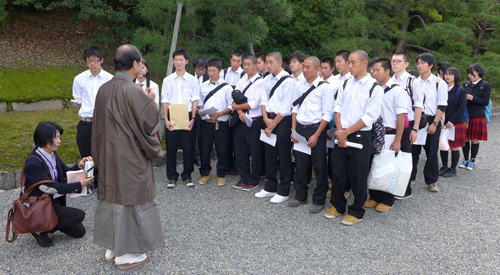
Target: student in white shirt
311	114
277	111
234	73
180	88
436	101
247	142
200	69
144	80
327	67
214	128
85	88
261	65
296	60
342	66
355	112
394	110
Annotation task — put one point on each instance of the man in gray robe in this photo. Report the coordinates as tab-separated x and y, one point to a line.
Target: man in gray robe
124	144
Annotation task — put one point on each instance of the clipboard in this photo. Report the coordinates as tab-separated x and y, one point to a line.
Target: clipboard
179	116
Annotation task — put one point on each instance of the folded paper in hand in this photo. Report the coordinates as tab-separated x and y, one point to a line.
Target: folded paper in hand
75	176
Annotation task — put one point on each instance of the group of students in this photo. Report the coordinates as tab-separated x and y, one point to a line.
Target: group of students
255	94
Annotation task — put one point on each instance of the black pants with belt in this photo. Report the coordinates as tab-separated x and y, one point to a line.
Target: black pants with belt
319	162
70	219
351	168
247	144
176	139
406	147
281	151
431	147
208	136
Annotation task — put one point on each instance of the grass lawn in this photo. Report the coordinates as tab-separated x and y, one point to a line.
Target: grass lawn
17	136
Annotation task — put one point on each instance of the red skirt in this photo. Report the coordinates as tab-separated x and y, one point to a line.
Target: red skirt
459	136
477	128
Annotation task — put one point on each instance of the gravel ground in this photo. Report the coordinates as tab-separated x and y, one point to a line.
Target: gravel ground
221	230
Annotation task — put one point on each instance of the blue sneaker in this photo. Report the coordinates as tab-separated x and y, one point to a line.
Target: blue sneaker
470	165
463	164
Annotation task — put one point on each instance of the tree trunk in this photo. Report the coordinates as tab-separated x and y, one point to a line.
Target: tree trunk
403	29
250	45
482	30
173	46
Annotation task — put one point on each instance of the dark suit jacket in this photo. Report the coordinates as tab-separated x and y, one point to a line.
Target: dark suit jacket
480	98
205	77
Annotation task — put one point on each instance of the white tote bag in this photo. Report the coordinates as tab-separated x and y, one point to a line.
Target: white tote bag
443	140
390	173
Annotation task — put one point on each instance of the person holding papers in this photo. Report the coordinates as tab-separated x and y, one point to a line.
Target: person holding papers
246	136
276	101
180	88
357	107
394	109
311	113
215	94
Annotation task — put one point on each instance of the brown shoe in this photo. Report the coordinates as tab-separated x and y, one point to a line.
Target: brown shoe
433	187
382	207
329	193
221	181
204	180
370	204
346	194
331	213
350	220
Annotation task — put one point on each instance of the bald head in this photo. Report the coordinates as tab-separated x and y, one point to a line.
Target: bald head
362	55
125	56
276	55
314	61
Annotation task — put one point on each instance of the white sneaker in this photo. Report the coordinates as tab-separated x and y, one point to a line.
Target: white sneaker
130	258
263	193
109	256
278	199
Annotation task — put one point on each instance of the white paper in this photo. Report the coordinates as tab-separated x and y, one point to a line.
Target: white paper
330	143
301	146
271	139
451	133
209	111
422	136
249	120
352	144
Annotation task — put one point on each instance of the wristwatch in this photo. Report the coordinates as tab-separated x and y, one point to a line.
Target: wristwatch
414	130
436	123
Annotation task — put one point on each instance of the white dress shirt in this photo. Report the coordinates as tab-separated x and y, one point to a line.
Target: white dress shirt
394	102
354	102
85	87
433	98
340	79
221	100
418	96
155	88
298	79
283	97
253	94
232	77
180	89
318	105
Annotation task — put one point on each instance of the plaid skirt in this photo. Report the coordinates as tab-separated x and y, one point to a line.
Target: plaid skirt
459	136
477	128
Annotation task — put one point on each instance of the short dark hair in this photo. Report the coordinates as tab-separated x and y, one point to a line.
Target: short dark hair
261	56
456	73
92	51
236	53
125	56
182	52
251	57
385	63
373	61
215	62
344	54
406	58
300	56
45	133
427	57
200	61
443	65
330	61
478	68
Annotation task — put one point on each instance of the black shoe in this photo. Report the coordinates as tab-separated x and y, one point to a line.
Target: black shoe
442	170
42	239
295	203
232	172
450	173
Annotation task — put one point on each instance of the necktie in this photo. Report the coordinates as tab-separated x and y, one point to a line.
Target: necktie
473	85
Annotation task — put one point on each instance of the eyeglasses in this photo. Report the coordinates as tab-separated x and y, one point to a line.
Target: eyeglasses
421	63
396	61
93	61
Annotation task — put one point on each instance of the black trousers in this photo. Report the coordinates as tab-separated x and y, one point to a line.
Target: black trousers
208	136
230	149
406	147
196	145
247	144
431	147
84	141
351	168
280	154
318	160
176	139
70	220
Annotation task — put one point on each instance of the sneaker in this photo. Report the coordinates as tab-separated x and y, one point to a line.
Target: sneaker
238	185
412	181
189	182
295	203
470	165
42	239
350	220
130	260
278	199
221	181
263	193
248	187
402	198
370	204
442	170
109	256
171	184
463	164
382	207
433	187
204	180
331	213
316	208
450	173
232	172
